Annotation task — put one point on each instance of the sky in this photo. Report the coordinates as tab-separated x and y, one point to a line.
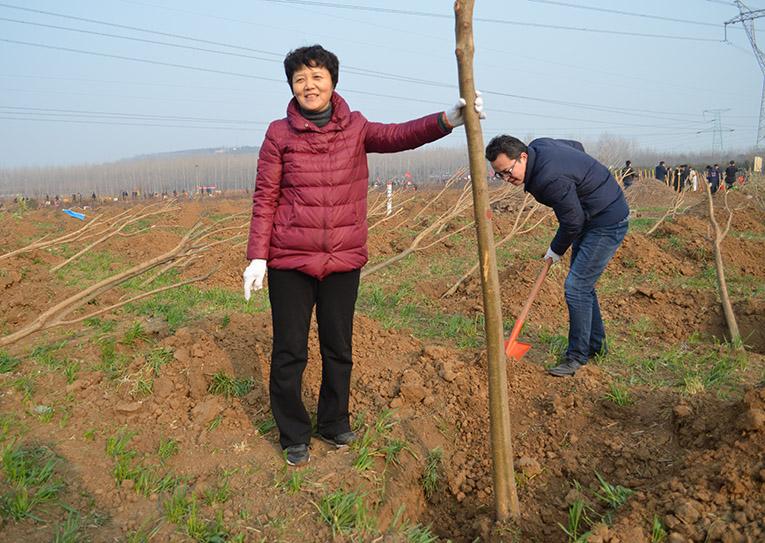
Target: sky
91	81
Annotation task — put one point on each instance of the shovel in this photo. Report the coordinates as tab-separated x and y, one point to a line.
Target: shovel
513	348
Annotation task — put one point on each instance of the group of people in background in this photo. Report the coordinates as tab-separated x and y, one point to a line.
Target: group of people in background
684	177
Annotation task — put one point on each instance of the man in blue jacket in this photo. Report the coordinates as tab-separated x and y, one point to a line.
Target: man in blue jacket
593	218
661	171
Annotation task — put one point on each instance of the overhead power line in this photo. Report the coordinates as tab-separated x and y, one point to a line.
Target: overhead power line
278	60
122	123
279	56
628	13
136	59
137	29
595	107
88	113
524	24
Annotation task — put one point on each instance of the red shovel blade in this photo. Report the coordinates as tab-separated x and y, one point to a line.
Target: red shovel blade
516	349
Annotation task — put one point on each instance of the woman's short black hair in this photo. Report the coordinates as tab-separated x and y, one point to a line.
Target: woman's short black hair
314	56
512	147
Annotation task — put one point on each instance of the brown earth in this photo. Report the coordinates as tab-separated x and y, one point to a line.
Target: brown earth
696	462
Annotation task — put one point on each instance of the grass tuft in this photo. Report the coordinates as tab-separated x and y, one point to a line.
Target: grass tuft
8	363
612	495
344	512
225	385
619	395
431	476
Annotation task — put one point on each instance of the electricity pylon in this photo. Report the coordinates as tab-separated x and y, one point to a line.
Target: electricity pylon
746	17
716	129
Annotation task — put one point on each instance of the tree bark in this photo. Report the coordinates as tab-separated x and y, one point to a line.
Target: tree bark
505	493
717	239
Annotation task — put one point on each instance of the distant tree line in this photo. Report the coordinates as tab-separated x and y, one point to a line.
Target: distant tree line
236	170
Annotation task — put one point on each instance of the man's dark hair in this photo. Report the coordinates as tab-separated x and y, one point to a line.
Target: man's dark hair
512	147
628	163
313	56
732	162
661	163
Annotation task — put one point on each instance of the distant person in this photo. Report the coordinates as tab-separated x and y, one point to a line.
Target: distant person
309	233
730	174
685	172
629	174
693	179
713	179
593	218
661	171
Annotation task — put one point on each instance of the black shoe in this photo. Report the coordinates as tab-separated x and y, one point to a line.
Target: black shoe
340	440
565	369
297	455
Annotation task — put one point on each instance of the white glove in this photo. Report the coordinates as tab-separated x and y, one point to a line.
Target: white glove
550	254
455	115
254	273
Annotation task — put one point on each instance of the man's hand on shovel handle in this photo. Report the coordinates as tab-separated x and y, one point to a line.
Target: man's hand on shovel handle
554	257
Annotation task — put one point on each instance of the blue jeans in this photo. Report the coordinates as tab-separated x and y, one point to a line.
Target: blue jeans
590	254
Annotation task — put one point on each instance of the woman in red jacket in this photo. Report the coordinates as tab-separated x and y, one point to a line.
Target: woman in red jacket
309	229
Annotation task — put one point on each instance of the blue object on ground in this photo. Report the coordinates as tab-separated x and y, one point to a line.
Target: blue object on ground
74	214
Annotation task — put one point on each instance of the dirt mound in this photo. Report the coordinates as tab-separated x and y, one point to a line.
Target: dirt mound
642	254
716	492
649	193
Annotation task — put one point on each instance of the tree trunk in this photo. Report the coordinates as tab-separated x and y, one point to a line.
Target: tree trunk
718	236
505	494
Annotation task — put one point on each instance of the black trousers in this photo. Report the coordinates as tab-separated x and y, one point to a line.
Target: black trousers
293	295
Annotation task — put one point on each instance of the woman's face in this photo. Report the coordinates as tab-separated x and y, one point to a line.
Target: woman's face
312	87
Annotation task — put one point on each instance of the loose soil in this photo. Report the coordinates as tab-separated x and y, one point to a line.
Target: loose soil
694	460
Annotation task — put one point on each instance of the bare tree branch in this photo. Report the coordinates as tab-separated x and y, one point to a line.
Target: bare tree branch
118	227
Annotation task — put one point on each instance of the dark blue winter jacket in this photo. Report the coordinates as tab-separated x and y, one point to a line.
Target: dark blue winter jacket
579	189
661	172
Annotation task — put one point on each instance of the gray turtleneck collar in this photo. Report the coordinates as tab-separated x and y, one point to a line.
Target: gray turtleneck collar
319	118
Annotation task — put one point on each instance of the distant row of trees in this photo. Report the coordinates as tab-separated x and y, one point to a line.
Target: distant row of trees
227	171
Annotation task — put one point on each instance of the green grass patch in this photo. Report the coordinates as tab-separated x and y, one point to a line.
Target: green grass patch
158	357
134	334
167	447
147	480
693	366
181	305
29	481
8	363
619	395
113	363
612	495
89	268
225	385
292	480
431	477
345	512
402	308
46	355
69	530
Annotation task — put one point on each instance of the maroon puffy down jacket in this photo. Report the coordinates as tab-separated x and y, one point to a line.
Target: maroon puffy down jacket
309	210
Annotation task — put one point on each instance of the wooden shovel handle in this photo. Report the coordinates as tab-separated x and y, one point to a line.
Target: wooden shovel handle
534	291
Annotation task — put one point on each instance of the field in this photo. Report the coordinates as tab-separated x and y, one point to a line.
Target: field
152	422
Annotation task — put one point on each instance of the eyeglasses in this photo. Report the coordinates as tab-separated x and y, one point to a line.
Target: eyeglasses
507	174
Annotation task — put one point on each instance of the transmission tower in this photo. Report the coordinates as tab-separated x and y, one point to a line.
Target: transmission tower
716	129
746	18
